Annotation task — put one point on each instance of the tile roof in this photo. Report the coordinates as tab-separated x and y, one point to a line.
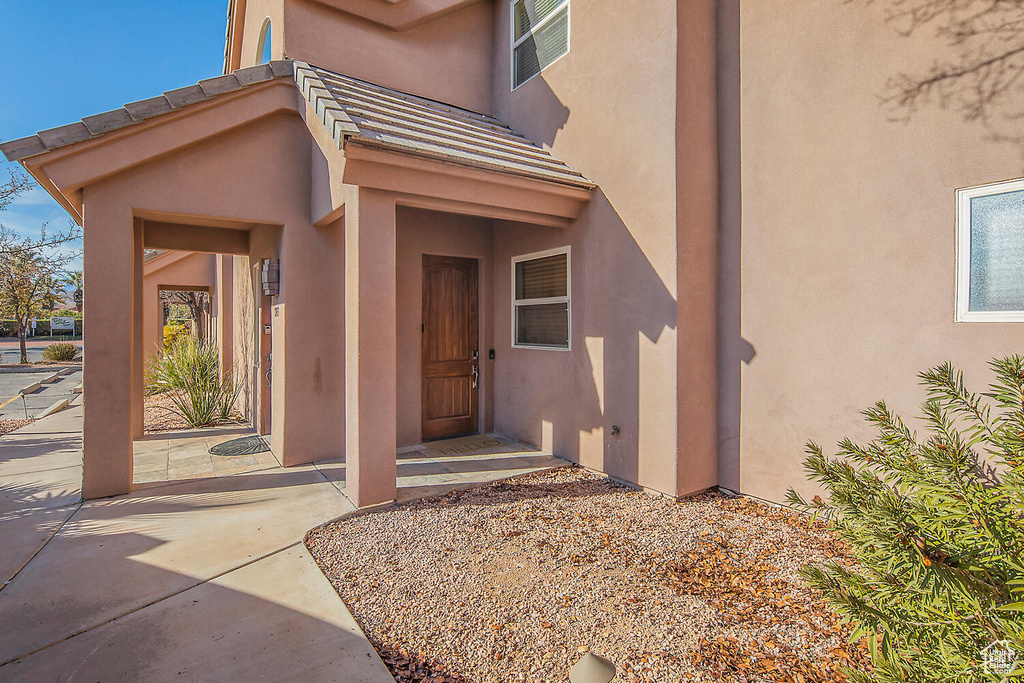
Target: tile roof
354	111
137	112
375	116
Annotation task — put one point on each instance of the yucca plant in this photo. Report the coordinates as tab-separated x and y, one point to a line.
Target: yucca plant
936	531
188	373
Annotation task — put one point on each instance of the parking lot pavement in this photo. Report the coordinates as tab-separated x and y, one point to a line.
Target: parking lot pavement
10	352
14	407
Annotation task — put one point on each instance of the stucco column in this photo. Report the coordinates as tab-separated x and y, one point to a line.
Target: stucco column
225	319
138	333
109	256
697	246
370	348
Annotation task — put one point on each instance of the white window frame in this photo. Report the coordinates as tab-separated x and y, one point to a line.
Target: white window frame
533	29
567	299
963	254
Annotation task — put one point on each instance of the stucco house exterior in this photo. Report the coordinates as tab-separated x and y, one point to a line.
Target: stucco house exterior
670	242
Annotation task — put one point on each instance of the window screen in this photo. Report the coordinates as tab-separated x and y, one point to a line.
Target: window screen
541	301
540	35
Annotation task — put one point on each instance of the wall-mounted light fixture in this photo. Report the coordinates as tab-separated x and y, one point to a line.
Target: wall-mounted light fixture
271	277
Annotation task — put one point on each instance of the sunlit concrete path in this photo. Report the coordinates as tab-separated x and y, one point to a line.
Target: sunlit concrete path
200	580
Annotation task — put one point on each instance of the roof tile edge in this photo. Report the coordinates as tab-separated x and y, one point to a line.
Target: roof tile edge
97	125
316	92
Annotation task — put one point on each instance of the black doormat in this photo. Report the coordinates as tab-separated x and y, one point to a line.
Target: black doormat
245	445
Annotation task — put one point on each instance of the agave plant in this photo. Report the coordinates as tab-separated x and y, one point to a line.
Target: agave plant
189	374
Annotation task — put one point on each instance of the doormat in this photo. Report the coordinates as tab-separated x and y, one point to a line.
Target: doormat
245	445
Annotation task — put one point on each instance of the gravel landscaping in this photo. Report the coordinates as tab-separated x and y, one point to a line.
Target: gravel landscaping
514	581
8	426
157	416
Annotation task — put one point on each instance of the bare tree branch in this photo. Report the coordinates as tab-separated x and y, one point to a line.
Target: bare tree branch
981	77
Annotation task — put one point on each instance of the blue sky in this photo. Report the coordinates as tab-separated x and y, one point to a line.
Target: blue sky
65	59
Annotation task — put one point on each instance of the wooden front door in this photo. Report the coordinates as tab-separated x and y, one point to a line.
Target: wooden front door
450	353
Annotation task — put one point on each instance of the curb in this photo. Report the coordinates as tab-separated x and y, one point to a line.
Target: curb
77	389
30	388
51	378
55	408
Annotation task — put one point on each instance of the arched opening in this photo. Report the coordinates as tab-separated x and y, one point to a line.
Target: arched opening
265	43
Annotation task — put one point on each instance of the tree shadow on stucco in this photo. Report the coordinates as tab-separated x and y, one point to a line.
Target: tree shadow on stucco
980	73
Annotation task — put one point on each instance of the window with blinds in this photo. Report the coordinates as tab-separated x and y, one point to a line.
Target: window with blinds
990	253
540	300
540	35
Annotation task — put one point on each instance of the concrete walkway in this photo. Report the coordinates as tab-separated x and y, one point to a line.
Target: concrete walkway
198	581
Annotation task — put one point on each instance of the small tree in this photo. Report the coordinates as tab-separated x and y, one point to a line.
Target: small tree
76	281
195	302
935	526
28	286
31	267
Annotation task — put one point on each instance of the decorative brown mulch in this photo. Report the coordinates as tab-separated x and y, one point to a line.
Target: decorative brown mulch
514	581
8	426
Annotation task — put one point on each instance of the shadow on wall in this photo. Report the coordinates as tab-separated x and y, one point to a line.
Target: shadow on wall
733	350
977	75
547	115
212	626
619	304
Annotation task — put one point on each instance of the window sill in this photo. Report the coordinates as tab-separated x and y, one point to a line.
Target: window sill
538	347
991	317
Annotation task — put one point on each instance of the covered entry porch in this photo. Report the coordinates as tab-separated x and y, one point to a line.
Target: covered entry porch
329	176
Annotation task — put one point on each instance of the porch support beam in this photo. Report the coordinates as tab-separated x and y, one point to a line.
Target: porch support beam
111	251
370	348
196	238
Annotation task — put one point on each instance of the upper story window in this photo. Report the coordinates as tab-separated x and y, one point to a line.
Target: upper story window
265	43
990	253
540	36
540	300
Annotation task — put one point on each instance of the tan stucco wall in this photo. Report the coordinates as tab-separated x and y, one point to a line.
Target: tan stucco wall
847	276
612	114
448	59
428	232
257	12
193	270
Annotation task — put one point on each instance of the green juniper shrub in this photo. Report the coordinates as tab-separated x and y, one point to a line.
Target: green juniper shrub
188	373
60	352
935	528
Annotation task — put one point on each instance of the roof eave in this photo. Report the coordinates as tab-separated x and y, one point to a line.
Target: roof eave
369	143
133	113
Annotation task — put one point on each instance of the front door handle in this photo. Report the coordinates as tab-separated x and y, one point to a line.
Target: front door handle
476	375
